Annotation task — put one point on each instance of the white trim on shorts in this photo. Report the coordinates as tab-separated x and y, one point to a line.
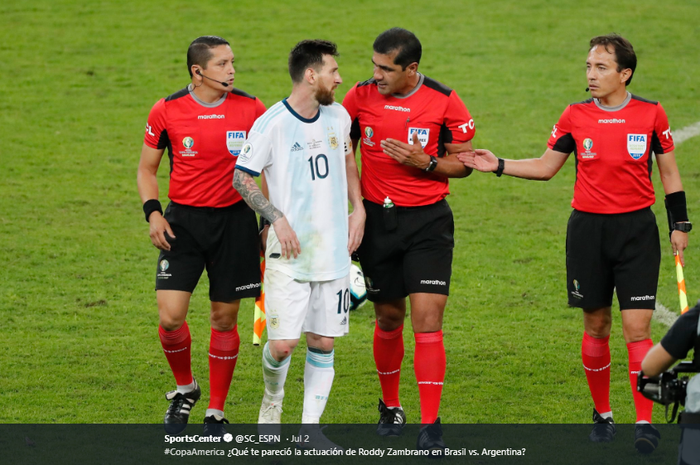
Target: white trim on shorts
294	307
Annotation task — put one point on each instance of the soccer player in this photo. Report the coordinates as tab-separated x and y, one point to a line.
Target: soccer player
206	225
303	148
612	238
411	127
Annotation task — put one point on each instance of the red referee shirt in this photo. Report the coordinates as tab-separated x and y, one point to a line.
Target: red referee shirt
613	152
203	143
432	110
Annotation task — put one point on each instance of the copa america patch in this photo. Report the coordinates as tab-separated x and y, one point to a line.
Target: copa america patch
246	152
234	142
636	145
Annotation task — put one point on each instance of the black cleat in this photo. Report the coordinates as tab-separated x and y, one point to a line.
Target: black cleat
430	439
391	420
179	411
646	438
603	428
214	426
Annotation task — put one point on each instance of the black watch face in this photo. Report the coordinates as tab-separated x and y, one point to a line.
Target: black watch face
683	227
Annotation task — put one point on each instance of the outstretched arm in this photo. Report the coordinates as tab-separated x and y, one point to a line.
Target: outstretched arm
253	196
540	169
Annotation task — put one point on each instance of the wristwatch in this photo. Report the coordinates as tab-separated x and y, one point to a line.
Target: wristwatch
683	227
432	165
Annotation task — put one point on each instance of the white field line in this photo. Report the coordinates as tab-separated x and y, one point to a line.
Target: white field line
662	314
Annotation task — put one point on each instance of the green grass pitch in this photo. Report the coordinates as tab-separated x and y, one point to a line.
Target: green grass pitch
77	307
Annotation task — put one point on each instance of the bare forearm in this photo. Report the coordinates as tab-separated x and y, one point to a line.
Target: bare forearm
450	167
147	184
353	178
253	196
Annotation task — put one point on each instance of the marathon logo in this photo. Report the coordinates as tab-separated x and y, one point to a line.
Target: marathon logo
248	286
433	282
211	117
638	298
611	121
395	108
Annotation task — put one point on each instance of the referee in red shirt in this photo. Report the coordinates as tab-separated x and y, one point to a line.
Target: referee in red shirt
206	224
411	127
612	239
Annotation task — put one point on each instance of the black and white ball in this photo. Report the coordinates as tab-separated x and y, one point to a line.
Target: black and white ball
358	291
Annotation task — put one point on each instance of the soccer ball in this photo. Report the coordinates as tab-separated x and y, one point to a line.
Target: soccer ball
358	292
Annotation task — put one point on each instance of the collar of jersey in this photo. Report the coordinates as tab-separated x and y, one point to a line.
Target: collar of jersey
298	116
615	108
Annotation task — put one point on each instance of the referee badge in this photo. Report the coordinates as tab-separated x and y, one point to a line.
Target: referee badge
636	145
234	142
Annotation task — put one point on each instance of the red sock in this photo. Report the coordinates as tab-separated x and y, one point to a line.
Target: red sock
595	354
176	345
388	355
636	352
429	365
223	353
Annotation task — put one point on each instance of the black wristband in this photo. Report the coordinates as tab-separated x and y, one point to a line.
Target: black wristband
676	208
501	165
263	222
151	206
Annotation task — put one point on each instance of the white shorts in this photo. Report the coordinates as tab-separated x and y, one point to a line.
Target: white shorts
293	307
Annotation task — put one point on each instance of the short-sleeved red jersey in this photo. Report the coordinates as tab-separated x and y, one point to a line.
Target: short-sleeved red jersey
433	111
203	143
613	152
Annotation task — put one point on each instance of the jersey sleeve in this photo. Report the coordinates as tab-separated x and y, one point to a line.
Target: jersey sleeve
350	104
457	122
255	154
259	108
156	135
347	125
561	139
662	139
681	337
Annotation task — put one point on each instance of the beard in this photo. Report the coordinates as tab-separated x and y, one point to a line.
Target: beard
325	96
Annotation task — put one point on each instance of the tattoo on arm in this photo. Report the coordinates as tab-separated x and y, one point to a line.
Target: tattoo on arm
253	196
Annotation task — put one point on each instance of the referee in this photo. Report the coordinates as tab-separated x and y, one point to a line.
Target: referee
206	224
612	239
411	127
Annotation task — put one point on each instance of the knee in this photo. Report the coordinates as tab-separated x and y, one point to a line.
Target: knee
223	317
171	321
427	323
281	349
597	326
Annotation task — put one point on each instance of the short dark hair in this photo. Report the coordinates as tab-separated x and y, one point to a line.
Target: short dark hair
622	49
199	52
309	54
404	41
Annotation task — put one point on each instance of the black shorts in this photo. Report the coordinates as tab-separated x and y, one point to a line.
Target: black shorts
414	257
224	240
606	253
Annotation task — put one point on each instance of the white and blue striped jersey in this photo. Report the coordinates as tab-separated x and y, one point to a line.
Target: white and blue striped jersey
304	165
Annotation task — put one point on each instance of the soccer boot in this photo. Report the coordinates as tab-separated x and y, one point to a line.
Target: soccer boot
646	438
430	439
214	426
311	437
603	428
178	413
270	417
391	420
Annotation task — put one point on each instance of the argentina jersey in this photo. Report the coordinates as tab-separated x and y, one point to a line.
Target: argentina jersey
304	165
